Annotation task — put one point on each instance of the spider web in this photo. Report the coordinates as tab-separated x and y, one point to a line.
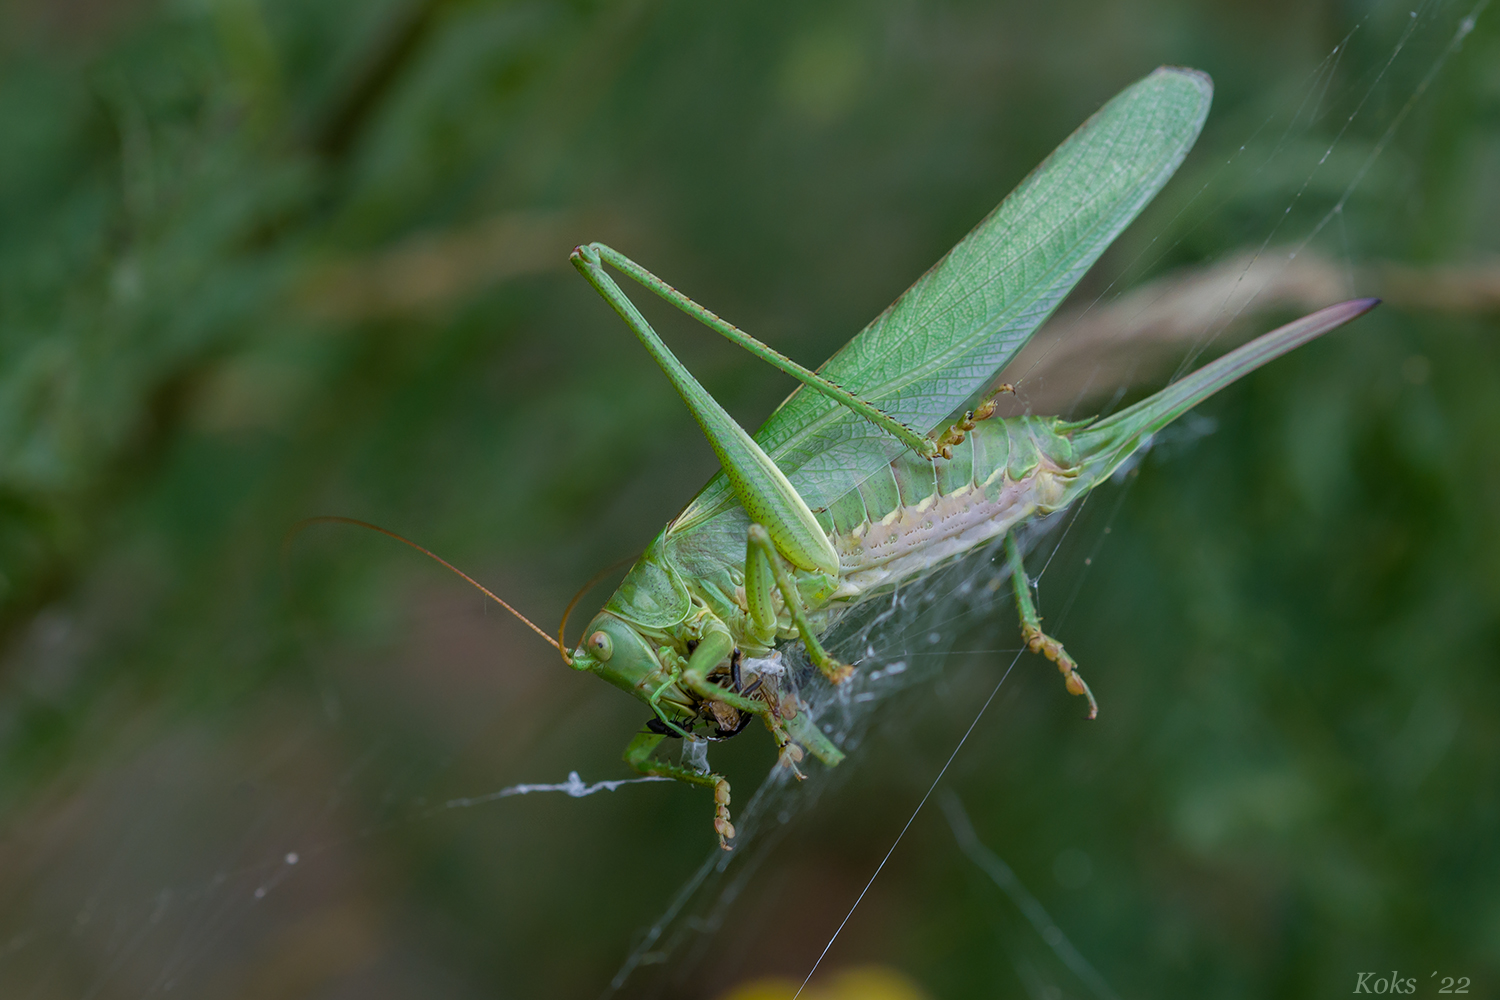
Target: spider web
169	917
949	619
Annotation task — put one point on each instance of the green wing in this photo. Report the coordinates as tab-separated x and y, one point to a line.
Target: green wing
949	334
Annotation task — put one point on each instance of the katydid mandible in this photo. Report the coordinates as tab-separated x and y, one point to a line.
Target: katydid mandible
888	461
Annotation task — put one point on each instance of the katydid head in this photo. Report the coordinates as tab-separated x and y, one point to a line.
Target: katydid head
617	652
615	646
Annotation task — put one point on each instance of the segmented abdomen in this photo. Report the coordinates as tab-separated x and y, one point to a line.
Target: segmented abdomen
913	515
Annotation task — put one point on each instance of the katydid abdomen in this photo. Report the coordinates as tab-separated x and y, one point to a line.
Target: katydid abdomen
898	525
913	516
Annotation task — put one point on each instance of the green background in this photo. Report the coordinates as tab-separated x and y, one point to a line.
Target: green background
265	259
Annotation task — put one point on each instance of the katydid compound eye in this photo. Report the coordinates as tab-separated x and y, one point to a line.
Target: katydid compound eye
600	645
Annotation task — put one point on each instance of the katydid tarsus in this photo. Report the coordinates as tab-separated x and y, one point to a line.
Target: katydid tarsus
889	460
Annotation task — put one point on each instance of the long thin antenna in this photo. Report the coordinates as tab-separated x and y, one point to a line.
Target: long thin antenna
336	519
562	642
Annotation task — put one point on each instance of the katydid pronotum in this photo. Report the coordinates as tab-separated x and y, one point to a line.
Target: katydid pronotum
889	460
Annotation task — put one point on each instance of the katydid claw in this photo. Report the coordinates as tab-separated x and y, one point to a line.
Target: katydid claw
722	826
1040	642
838	673
956	433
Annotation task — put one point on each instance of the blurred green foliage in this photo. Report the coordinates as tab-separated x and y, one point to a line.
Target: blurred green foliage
261	260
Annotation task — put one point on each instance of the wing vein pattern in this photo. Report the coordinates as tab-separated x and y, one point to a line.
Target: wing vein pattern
950	334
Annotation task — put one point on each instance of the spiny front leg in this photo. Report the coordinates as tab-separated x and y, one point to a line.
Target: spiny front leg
638	756
1031	629
760	557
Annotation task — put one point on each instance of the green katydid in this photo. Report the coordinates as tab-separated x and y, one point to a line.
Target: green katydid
858	483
